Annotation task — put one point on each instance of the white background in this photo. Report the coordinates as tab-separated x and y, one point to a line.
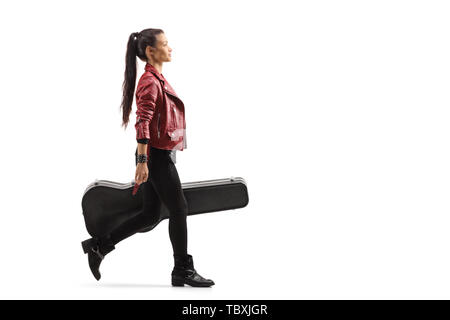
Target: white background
336	113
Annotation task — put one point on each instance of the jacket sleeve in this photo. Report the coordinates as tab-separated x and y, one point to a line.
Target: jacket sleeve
146	95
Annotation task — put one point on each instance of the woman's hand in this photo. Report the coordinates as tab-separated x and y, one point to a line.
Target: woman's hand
141	175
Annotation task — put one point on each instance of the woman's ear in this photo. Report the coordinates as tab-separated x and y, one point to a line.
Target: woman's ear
148	51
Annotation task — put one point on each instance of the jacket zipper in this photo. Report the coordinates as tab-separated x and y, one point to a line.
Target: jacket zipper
158	126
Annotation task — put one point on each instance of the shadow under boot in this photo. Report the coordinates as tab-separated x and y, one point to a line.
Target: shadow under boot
97	249
184	273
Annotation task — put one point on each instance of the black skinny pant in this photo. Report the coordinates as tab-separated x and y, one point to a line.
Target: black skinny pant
163	186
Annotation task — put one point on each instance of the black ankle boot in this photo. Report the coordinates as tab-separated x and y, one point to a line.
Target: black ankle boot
97	249
184	273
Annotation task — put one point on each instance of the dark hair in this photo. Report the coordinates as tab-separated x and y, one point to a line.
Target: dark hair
137	43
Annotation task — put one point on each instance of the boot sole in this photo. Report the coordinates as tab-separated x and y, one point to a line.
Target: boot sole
180	282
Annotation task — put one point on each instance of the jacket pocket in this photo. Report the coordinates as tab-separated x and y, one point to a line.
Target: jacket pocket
175	134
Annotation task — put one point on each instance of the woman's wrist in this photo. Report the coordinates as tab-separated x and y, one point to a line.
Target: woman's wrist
142	148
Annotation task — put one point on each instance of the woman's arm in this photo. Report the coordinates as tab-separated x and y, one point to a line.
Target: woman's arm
146	95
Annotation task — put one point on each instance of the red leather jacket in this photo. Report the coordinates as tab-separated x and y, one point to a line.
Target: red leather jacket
160	112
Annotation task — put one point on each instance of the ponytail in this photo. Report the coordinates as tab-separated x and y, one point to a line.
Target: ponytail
137	43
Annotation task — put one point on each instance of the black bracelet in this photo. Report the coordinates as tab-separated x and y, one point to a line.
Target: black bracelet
141	158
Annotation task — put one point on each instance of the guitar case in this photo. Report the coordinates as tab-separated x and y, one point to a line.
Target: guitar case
107	204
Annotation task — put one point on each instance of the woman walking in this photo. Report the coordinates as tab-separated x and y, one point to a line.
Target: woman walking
160	132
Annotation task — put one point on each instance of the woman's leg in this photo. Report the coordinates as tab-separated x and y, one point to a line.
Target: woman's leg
164	176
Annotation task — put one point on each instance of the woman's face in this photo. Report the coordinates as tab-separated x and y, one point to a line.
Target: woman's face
162	52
